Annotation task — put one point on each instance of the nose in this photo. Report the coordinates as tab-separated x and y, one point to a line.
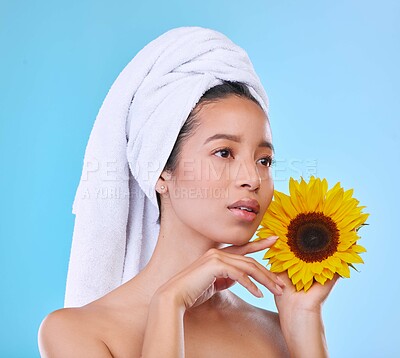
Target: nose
247	176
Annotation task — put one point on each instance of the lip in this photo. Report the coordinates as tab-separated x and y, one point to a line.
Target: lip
243	214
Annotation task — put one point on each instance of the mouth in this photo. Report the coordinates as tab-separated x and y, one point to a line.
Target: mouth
246	209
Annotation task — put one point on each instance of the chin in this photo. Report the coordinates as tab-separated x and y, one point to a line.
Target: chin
230	233
241	237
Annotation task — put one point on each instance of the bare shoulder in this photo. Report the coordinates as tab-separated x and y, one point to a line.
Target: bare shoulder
112	325
68	333
266	319
264	326
254	314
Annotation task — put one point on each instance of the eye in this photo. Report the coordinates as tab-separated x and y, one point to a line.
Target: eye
266	161
224	153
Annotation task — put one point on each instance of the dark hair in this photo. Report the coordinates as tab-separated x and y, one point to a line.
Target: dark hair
214	94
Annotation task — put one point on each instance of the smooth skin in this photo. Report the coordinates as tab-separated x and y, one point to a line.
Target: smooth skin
180	304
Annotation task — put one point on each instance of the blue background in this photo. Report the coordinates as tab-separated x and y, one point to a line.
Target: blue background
331	70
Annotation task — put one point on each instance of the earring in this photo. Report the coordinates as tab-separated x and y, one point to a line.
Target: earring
163	189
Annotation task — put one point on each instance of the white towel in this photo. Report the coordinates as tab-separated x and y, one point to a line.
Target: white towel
135	130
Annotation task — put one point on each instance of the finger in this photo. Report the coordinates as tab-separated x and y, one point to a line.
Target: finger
257	271
230	271
251	268
251	261
251	247
332	283
283	276
277	280
223	283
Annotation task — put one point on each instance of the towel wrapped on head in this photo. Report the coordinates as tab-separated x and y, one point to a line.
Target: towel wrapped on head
116	208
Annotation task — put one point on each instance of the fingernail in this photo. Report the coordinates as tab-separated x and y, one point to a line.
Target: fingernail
280	281
260	293
273	238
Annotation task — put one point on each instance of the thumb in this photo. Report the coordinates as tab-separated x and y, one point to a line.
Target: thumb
252	246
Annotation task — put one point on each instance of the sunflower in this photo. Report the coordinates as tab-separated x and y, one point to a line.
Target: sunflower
317	229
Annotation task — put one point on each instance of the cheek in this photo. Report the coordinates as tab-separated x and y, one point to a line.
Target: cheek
267	194
202	174
213	172
199	195
197	199
194	205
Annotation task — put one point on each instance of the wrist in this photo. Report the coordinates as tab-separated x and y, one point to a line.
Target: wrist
294	319
304	333
164	333
288	311
168	300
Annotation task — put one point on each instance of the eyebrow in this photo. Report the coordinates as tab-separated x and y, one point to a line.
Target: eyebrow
237	139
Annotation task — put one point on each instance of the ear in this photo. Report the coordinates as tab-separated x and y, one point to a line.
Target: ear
165	175
161	185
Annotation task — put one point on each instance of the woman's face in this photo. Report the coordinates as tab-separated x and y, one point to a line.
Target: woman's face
222	184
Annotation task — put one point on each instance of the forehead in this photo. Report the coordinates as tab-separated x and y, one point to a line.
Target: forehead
234	115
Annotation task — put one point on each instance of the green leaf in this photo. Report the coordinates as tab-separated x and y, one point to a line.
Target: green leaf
361	226
351	265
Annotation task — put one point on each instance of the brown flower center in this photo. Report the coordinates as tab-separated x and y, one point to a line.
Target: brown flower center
313	236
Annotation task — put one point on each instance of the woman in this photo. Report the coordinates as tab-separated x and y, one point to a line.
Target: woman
212	191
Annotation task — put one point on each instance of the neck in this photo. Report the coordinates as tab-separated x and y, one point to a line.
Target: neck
177	248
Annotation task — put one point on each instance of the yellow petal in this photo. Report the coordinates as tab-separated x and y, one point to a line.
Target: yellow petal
320	278
314	196
326	264
276	268
271	252
352	221
276	227
290	263
288	206
358	248
333	203
324	186
293	186
343	246
299	274
331	192
348	194
296	197
346	209
344	270
284	256
282	208
272	259
327	273
308	285
281	244
350	236
307	273
334	261
263	234
299	286
295	268
317	267
349	257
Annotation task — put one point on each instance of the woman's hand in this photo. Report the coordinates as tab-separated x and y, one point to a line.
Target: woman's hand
214	271
219	269
300	317
310	301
